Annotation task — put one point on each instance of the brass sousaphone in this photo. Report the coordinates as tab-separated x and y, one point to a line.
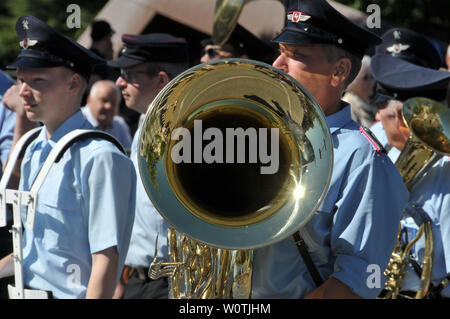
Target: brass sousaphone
226	15
429	140
222	211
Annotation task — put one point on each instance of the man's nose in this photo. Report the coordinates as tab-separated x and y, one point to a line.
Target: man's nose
24	90
378	116
108	106
280	63
120	82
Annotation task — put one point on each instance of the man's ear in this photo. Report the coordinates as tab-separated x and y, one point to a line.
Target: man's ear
341	71
75	83
163	79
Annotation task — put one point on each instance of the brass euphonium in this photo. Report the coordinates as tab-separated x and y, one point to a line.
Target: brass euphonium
429	140
221	210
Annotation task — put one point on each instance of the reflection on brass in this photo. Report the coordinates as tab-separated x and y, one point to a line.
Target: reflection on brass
252	192
221	211
226	15
429	140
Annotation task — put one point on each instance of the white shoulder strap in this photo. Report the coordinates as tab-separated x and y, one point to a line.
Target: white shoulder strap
11	196
55	155
17	153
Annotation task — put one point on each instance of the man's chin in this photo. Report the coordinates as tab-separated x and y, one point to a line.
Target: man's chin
32	116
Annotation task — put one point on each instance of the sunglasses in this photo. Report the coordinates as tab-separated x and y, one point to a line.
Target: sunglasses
213	52
130	76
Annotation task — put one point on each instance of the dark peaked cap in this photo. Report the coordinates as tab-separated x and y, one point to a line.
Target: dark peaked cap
44	47
410	46
407	64
152	47
317	22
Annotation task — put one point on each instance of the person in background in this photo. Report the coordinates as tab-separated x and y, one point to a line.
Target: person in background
241	44
7	123
7	117
358	95
406	66
102	109
101	45
101	33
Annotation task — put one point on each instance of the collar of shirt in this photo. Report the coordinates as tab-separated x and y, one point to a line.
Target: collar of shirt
339	119
88	114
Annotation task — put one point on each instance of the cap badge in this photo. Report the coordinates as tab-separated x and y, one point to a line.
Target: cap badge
25	43
397	48
25	24
397	35
296	16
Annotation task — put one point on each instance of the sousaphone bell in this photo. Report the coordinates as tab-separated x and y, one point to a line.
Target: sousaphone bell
222	211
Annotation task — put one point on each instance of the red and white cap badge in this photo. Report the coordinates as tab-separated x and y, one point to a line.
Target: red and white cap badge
297	16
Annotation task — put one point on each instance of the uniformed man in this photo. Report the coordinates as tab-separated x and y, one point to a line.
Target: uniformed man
407	66
241	44
84	210
350	238
358	95
148	62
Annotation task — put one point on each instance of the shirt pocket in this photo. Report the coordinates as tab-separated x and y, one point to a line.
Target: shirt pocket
60	190
60	218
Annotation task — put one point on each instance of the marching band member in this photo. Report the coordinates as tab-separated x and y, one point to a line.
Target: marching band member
354	229
85	207
406	66
148	62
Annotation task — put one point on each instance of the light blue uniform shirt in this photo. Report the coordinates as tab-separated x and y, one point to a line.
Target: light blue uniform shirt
378	130
119	128
432	193
147	223
7	122
85	205
352	234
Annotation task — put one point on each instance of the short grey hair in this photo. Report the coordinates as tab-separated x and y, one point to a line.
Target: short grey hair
334	53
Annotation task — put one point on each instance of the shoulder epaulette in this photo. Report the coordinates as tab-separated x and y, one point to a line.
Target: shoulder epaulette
372	139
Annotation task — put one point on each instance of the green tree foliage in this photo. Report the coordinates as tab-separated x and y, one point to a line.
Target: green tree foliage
430	17
51	11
